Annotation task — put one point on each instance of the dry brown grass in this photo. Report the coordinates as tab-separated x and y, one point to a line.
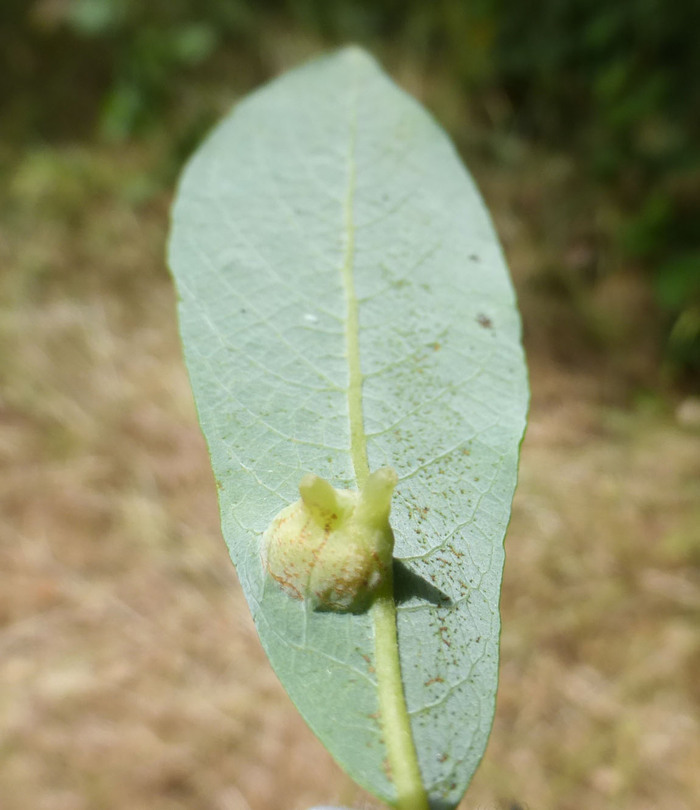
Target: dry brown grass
130	673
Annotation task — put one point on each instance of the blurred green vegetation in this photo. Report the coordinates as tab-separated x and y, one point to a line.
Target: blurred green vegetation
613	85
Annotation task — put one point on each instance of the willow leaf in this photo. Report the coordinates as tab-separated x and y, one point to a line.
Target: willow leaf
344	306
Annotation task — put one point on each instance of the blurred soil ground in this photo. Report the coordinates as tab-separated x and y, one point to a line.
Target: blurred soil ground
130	673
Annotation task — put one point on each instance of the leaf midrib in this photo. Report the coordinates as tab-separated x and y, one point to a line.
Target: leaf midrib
358	441
395	721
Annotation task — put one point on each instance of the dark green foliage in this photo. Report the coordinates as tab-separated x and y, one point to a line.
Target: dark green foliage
613	83
110	64
618	83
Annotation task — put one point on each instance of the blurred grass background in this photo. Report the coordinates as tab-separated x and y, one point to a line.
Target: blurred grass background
130	673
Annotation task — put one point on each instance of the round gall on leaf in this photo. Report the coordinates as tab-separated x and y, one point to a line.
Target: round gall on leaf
333	546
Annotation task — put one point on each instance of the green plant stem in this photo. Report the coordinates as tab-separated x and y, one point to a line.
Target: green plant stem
396	724
398	737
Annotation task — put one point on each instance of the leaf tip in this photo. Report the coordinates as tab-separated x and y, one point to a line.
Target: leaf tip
357	55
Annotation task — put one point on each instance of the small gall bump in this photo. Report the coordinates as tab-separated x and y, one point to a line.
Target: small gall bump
333	547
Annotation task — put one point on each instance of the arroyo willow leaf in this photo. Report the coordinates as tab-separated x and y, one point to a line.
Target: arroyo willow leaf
344	304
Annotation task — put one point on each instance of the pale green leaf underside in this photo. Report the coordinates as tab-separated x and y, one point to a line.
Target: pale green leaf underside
331	164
